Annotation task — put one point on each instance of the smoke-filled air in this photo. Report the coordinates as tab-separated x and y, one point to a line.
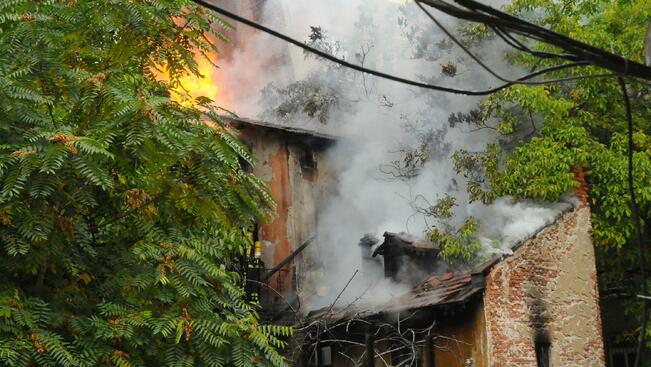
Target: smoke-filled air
393	161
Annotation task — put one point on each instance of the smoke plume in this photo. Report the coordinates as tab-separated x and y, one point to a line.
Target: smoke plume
380	123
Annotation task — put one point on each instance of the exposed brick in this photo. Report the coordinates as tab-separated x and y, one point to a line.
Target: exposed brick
549	287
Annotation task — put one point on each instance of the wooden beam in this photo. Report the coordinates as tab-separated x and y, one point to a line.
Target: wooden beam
429	351
370	351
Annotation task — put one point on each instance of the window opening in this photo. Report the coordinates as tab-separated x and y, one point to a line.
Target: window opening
542	353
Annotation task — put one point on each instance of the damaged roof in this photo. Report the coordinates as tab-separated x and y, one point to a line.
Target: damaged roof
408	244
439	290
240	122
447	289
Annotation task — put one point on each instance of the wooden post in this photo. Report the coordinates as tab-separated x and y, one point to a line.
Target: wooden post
304	360
370	352
429	350
319	362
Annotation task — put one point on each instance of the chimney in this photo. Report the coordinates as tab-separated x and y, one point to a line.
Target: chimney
365	244
406	259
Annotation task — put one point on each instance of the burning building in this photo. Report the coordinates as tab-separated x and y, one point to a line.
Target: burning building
293	163
531	301
535	306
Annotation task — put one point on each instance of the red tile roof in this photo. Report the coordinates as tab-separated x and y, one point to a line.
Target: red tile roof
439	290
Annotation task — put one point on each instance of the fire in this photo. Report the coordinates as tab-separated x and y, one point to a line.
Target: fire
193	86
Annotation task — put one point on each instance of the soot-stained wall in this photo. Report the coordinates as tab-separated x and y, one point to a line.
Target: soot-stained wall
547	293
296	169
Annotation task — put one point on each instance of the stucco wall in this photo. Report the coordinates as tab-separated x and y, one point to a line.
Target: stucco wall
461	337
310	190
298	192
547	289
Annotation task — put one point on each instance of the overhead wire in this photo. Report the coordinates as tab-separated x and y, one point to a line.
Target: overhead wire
515	43
477	12
522	80
488	68
639	357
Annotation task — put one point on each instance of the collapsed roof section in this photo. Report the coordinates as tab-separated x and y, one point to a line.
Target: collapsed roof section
438	290
406	259
448	289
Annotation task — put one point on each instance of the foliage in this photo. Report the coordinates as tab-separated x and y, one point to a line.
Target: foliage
551	130
429	145
457	244
121	211
307	97
318	94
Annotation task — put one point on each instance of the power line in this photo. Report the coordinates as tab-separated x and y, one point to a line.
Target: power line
515	43
511	41
491	71
332	58
639	358
474	11
327	56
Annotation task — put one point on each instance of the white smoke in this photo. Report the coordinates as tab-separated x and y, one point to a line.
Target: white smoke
397	39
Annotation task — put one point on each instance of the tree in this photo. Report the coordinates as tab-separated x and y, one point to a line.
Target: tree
122	212
552	130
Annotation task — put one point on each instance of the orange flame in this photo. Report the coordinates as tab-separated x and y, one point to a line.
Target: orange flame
192	86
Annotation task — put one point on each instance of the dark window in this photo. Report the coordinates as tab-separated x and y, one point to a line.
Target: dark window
621	350
326	356
542	353
621	357
307	159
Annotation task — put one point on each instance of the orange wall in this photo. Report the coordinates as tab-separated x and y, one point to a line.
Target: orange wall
276	230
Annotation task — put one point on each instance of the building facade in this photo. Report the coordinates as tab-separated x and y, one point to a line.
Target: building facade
537	307
293	162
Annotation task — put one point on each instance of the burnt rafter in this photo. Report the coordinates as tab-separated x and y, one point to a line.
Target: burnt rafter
401	244
288	259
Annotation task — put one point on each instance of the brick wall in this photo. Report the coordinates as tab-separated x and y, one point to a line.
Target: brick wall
547	290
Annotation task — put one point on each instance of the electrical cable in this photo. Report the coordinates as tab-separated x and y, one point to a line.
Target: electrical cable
486	67
477	12
327	56
515	43
639	357
330	57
